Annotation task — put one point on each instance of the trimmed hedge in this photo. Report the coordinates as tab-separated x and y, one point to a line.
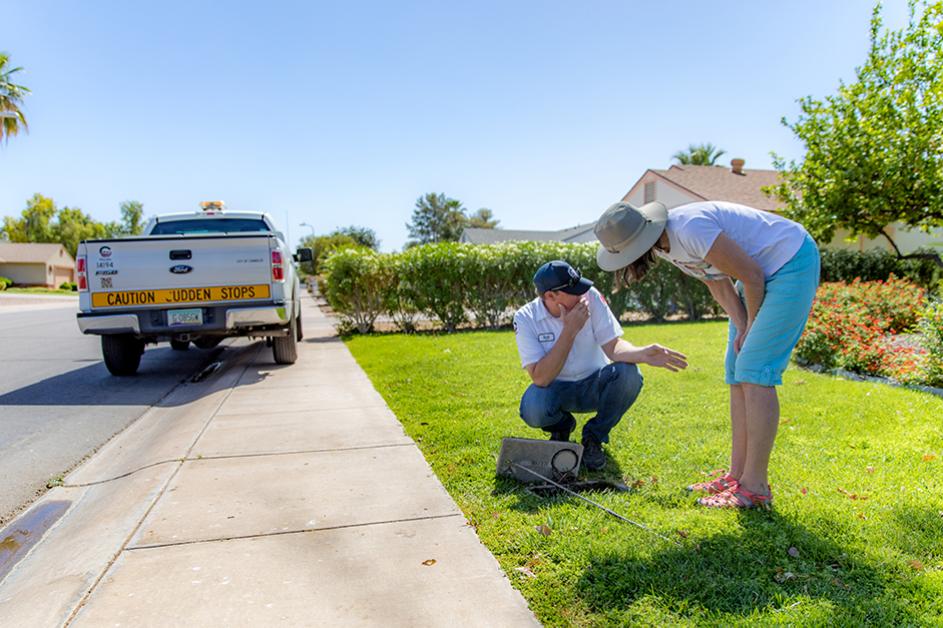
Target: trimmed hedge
877	265
483	285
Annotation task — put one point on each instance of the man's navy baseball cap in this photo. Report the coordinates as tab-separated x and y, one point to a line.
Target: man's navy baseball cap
558	275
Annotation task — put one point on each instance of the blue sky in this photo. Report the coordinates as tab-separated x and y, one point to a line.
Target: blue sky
345	113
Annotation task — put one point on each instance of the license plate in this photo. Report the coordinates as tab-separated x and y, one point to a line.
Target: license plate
129	298
180	318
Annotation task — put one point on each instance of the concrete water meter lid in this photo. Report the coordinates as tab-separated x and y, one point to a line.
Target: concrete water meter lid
552	459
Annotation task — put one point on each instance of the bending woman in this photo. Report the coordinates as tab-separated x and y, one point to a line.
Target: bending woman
775	265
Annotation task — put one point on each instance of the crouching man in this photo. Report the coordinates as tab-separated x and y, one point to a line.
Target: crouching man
571	345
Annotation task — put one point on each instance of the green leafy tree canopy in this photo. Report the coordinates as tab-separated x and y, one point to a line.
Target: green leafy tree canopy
42	221
436	218
874	149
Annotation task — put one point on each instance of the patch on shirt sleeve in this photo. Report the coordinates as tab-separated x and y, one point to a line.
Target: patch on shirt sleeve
548	337
514	325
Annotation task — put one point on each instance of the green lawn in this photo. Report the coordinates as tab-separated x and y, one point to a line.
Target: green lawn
856	536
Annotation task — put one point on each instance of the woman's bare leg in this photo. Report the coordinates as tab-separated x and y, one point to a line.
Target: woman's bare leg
762	421
738	430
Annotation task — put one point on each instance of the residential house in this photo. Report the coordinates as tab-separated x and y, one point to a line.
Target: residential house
679	184
36	264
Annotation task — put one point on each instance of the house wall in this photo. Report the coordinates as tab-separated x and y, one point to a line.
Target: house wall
908	240
61	274
665	193
33	274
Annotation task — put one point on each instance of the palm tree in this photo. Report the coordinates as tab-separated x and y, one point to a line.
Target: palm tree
699	155
11	96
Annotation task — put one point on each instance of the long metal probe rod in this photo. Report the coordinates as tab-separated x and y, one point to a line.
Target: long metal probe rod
596	504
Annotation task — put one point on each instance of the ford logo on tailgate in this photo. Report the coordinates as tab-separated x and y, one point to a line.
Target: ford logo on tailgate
181	269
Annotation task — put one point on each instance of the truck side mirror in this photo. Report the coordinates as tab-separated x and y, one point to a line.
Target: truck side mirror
304	255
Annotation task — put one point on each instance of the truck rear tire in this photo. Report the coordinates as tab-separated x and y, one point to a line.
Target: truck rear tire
179	345
300	333
285	348
122	354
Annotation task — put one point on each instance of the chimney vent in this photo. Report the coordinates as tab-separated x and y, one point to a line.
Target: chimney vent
736	165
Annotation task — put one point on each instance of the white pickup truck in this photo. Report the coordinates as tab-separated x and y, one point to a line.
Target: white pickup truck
195	277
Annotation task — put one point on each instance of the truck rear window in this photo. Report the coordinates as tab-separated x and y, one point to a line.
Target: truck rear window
210	225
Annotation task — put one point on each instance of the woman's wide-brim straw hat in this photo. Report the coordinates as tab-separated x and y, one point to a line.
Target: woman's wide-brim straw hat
626	233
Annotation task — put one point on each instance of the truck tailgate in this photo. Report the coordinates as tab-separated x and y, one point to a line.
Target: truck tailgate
158	271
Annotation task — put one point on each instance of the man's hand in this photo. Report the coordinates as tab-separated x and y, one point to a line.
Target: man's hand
657	355
575	319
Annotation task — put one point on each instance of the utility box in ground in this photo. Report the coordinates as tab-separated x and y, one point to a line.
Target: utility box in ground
552	459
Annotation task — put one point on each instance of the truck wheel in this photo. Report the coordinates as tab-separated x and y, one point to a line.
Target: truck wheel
285	348
122	353
179	345
300	334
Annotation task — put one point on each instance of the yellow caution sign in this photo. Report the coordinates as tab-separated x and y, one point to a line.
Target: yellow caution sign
130	298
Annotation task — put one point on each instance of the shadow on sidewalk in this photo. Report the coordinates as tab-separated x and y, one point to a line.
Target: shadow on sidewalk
161	369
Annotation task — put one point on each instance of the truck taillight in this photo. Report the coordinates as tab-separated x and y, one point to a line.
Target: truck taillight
278	271
81	276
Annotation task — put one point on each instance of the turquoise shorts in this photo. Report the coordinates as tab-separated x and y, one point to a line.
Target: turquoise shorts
779	323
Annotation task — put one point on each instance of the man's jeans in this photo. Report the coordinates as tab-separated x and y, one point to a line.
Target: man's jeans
609	392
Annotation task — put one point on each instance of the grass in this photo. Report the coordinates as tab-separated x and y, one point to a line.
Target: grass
856	536
40	291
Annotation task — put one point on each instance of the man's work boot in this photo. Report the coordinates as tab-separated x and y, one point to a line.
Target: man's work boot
562	430
593	457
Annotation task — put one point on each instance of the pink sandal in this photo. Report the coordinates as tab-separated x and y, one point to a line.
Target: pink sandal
714	486
737	497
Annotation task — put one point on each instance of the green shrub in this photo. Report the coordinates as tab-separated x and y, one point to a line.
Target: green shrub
435	277
357	284
456	283
5	282
68	285
878	265
930	325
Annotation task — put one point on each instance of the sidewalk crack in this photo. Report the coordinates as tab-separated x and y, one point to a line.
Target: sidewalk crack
284	532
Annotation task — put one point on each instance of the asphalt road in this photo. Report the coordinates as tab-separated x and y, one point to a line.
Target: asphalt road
58	403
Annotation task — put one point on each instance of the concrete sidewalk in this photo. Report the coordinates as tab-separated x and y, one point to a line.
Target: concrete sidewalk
267	496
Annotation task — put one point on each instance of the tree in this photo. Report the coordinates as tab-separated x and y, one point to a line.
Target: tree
11	97
73	225
34	223
132	213
364	236
874	149
699	155
483	219
322	246
42	221
436	219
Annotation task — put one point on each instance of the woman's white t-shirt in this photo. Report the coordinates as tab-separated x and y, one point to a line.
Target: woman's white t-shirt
769	239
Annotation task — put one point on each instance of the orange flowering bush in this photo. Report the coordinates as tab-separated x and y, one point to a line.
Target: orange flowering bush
852	325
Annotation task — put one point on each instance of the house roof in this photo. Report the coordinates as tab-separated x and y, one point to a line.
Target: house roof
579	233
716	183
35	253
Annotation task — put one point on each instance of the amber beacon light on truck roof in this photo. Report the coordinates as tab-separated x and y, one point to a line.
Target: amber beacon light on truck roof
213	206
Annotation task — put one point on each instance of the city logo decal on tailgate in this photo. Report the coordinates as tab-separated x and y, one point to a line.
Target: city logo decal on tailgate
181	269
105	251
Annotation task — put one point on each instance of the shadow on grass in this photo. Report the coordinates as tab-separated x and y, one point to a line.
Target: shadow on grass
748	573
